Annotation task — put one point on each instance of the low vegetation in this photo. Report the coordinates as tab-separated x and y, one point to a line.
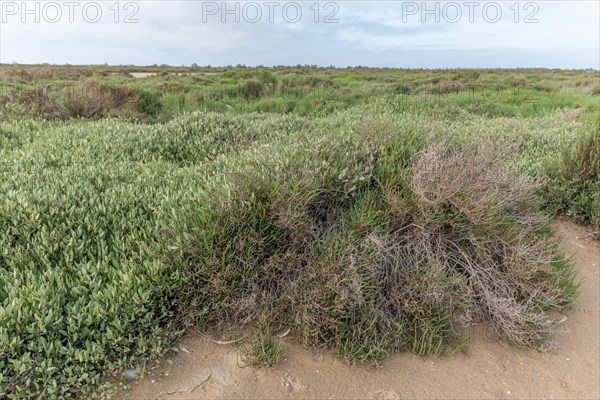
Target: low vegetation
88	99
574	181
261	350
368	220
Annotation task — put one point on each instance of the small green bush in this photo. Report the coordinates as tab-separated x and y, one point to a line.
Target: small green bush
573	184
404	89
149	104
261	350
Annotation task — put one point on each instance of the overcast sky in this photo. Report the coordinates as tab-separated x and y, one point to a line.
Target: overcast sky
552	34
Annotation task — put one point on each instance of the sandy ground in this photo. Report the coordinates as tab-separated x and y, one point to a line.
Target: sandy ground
142	75
487	369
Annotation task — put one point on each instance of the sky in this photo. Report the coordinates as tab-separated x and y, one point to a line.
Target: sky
403	34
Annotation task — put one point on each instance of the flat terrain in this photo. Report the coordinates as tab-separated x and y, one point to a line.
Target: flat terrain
487	369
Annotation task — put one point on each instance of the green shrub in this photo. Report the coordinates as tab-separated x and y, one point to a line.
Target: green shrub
573	178
80	219
447	88
266	78
149	104
404	89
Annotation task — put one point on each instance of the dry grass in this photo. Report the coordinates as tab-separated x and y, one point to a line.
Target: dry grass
487	227
92	99
88	99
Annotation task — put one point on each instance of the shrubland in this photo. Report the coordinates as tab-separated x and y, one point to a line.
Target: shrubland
367	226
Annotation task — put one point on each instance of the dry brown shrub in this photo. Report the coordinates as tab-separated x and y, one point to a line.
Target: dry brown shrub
43	102
481	220
92	99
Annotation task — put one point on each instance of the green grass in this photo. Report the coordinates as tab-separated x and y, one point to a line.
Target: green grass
319	91
261	350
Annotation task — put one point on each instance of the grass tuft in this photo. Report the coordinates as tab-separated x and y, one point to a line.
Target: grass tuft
261	350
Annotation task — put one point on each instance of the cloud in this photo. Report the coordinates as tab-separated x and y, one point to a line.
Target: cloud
560	27
390	33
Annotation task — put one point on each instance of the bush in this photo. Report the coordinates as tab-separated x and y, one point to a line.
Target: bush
92	99
447	88
149	103
88	99
252	89
44	102
266	78
573	186
375	253
492	234
405	89
78	240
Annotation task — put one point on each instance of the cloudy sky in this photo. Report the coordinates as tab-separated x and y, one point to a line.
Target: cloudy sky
433	34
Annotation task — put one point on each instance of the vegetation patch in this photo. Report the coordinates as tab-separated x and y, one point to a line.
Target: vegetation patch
365	218
261	350
572	185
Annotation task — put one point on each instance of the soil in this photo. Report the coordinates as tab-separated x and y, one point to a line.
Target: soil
488	368
142	75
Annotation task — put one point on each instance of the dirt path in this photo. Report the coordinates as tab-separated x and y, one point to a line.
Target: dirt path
487	369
